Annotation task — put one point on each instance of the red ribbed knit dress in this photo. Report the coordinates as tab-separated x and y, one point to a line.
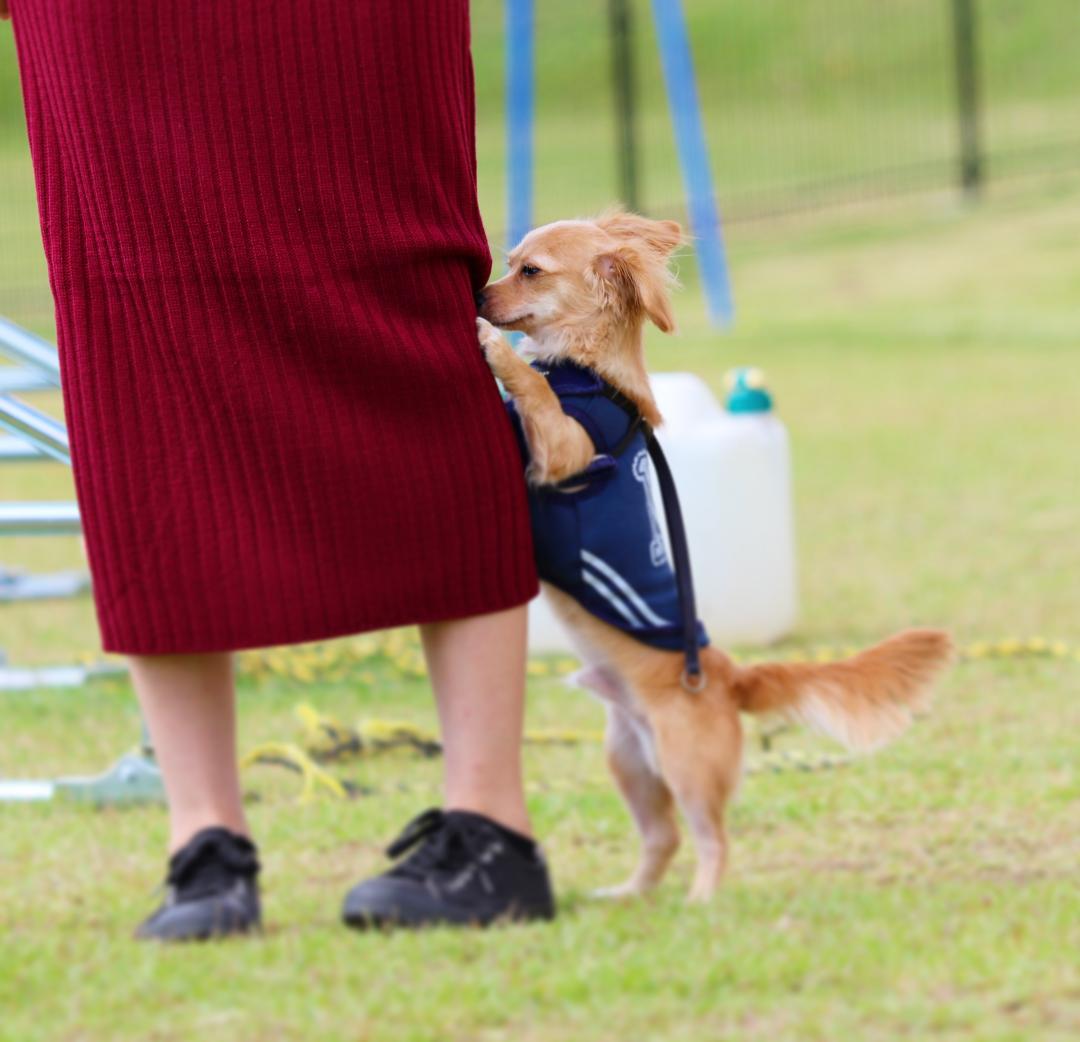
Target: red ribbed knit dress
263	241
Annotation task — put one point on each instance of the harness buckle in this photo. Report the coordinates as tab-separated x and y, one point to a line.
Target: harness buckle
693	683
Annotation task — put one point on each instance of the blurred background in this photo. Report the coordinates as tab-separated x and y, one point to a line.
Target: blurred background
899	182
807	105
809	108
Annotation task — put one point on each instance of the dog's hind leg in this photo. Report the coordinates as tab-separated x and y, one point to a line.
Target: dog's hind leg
700	749
632	762
710	843
629	741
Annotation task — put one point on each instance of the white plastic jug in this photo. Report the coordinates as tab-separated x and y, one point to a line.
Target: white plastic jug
733	472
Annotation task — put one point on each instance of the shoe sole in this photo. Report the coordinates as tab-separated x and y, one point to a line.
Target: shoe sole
374	920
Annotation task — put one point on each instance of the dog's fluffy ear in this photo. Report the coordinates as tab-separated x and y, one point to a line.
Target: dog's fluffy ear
662	237
632	279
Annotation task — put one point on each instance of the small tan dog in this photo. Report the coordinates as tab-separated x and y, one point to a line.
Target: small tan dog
582	290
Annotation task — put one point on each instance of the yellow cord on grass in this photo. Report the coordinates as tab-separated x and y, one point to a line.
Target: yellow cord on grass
328	740
283	754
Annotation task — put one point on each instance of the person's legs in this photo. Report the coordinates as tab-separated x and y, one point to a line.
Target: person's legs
189	705
477	668
473	861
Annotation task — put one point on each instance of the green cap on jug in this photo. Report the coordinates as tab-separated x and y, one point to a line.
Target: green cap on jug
746	390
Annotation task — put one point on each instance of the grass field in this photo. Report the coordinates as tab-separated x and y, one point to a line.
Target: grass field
925	360
924	355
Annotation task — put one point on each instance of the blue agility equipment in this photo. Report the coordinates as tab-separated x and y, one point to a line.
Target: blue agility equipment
677	61
678	64
520	117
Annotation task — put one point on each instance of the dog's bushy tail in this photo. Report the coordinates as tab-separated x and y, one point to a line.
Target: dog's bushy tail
862	702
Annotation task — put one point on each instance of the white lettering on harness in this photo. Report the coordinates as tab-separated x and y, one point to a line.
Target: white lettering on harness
657	550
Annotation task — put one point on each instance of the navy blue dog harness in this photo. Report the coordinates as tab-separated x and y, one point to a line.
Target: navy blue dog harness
597	535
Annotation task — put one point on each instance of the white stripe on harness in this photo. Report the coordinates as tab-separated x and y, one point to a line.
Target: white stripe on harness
612	598
639	602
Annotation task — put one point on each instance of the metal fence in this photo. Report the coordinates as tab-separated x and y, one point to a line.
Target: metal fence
805	105
848	99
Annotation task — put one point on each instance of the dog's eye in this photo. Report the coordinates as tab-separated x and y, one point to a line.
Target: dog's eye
528	270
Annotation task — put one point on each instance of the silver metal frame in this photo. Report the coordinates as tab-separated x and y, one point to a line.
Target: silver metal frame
28	349
15	450
20	378
37	437
45	518
35	428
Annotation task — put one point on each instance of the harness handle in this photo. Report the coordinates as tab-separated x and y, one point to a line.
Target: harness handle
692	678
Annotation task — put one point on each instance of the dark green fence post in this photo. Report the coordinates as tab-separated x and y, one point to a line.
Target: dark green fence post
965	48
624	84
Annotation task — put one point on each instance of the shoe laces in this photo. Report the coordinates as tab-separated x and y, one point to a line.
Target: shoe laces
210	862
443	842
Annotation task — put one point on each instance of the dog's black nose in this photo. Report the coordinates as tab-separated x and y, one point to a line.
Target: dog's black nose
479	298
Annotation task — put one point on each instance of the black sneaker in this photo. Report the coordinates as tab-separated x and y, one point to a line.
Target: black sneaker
211	890
467	869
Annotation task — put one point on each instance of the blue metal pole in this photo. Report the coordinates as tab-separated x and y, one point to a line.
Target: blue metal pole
520	115
678	64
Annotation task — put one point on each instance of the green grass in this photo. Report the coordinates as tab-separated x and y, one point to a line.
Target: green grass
924	356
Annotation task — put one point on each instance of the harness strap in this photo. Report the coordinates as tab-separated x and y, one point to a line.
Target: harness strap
680	550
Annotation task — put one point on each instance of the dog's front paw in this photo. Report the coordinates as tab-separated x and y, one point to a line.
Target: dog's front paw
490	338
498	353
